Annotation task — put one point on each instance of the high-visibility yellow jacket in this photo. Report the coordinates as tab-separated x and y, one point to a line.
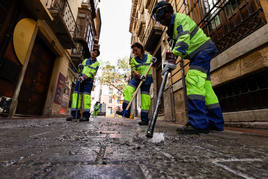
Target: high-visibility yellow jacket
189	38
141	65
90	67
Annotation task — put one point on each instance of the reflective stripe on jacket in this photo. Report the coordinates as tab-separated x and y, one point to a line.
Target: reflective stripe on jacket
141	65
190	39
90	67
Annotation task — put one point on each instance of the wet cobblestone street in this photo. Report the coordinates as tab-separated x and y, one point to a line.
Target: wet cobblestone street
118	148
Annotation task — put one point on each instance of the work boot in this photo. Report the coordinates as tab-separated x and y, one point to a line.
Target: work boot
86	116
143	123
69	118
188	129
84	119
121	114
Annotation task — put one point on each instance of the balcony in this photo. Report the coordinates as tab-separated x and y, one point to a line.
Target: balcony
133	15
77	51
152	35
150	5
84	38
140	26
38	9
64	24
147	3
77	54
227	22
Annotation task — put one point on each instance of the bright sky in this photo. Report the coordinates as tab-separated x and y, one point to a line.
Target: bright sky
115	36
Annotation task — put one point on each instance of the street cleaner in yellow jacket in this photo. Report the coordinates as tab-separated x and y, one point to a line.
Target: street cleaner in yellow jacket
96	109
84	86
204	111
139	65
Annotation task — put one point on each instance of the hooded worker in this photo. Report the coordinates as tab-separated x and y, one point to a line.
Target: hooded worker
204	111
84	84
139	65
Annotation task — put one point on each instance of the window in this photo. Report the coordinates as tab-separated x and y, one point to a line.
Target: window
245	93
110	90
90	38
110	110
212	12
110	99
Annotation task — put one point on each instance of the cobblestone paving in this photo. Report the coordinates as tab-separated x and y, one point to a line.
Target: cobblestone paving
118	148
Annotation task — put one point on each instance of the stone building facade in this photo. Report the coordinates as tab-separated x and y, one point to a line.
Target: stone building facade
238	73
37	68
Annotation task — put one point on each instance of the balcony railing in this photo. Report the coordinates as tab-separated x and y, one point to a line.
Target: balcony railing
84	39
78	51
151	29
141	26
150	5
226	22
64	23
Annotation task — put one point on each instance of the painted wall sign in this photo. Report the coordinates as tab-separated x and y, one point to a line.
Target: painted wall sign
60	89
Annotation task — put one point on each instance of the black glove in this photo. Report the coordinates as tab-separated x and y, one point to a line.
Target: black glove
81	79
137	76
154	60
81	66
142	77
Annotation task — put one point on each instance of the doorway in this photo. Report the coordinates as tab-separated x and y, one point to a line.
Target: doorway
35	85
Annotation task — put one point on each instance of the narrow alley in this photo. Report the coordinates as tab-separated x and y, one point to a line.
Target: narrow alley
84	84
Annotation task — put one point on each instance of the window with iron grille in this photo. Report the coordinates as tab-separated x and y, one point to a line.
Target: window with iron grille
90	39
226	21
246	93
111	91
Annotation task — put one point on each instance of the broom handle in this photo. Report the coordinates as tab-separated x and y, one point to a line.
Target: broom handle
135	93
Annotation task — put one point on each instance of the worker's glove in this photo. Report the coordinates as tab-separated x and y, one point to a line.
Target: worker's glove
81	66
142	77
154	60
137	76
171	58
81	79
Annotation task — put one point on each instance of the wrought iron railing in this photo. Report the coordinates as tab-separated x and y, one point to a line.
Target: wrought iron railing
145	37
63	8
226	21
77	51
